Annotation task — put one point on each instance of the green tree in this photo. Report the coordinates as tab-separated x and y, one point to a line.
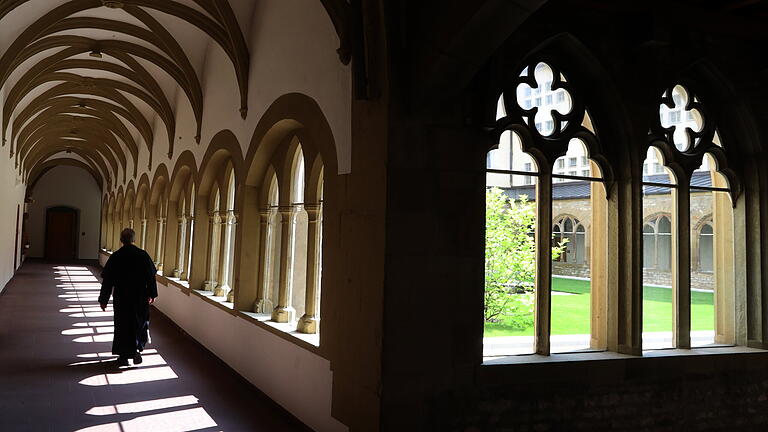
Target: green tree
510	258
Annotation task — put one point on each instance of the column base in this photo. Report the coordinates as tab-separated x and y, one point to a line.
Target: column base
231	296
176	273
221	291
209	285
307	324
283	314
263	306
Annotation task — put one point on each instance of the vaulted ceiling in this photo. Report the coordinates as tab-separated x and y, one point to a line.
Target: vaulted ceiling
92	78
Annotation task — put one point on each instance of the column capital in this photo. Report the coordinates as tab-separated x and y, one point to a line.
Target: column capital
313	211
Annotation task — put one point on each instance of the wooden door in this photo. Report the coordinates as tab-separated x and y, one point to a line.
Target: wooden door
61	233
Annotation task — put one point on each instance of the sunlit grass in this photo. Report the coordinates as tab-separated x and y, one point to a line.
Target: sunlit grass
571	311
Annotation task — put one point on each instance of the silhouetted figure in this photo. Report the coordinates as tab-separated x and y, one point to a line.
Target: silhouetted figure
131	272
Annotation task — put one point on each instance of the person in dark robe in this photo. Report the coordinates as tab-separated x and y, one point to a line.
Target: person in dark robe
129	276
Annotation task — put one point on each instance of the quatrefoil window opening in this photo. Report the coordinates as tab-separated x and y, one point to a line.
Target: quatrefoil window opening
680	118
544	98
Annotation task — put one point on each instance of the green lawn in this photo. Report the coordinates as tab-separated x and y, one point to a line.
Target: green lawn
570	313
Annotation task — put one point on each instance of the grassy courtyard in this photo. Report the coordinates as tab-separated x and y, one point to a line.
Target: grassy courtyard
571	305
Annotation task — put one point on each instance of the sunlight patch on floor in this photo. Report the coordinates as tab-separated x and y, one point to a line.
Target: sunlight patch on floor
79	293
177	421
143	406
131	376
149	361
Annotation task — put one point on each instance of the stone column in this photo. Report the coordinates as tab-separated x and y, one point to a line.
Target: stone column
543	279
262	303
681	265
186	267
231	225
180	247
143	233
283	312
308	322
214	219
160	233
222	289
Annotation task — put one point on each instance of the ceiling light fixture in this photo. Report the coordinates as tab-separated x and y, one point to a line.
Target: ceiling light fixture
95	53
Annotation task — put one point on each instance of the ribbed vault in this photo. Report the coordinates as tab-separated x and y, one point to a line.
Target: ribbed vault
92	77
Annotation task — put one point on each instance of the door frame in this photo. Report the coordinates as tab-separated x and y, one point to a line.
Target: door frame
76	234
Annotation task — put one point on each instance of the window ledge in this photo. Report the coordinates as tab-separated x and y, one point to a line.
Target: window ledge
606	355
284	328
183	286
219	301
286	331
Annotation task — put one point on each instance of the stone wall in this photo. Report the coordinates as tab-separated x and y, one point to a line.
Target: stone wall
699	280
653	205
571	270
659	394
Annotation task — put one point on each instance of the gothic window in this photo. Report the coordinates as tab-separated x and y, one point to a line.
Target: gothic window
700	274
530	281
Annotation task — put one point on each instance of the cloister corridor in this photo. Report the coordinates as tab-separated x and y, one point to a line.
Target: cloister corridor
59	375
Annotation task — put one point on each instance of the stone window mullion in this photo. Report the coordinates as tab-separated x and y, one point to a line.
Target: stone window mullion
543	278
308	322
681	266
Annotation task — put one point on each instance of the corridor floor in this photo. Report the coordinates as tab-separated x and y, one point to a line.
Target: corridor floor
57	373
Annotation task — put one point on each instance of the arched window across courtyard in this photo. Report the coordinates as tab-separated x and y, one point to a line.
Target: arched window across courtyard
657	244
569	232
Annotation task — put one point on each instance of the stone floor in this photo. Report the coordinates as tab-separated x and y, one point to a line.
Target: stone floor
57	373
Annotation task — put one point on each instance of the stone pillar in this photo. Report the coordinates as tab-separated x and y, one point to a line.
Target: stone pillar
284	312
110	230
308	322
186	269
116	233
214	219
159	235
223	288
143	233
723	264
681	265
231	225
543	279
263	303
180	241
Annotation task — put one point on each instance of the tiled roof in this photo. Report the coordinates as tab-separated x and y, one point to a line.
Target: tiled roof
581	189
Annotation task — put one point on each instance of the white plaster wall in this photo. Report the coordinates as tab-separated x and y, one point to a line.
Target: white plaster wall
12	196
293	46
72	187
297	379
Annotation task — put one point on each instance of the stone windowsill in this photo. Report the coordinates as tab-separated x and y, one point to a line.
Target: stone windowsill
219	300
285	328
607	355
